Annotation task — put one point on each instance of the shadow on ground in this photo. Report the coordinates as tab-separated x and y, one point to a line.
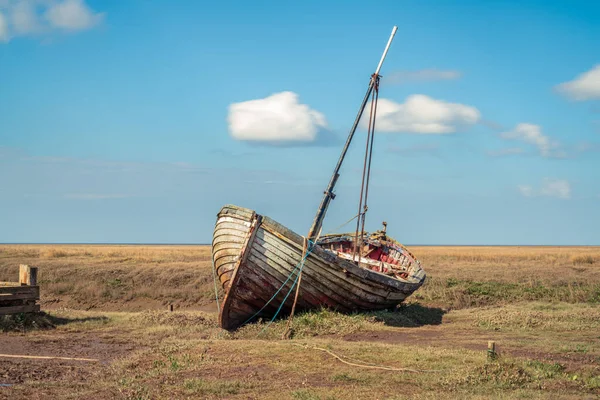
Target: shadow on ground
23	322
411	315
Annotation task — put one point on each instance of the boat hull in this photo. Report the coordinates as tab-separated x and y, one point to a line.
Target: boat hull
255	258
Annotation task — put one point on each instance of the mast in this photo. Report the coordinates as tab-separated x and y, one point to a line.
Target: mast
328	194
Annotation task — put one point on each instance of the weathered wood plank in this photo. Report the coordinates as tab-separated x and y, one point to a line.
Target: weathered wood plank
236	212
10	284
29	290
228	239
230	231
348	291
293	238
28	308
313	282
335	276
232	222
313	287
225	238
6	297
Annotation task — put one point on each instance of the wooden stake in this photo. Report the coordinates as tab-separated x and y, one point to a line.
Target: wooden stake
27	275
171	307
491	352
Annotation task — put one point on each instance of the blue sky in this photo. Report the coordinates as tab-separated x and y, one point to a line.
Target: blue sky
136	121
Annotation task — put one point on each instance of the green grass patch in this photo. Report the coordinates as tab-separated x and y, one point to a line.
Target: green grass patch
463	293
545	370
327	322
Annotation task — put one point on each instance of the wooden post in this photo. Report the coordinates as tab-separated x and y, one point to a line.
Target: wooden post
171	307
27	275
491	352
21	296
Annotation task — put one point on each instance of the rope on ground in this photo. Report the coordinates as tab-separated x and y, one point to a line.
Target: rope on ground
49	357
215	282
364	365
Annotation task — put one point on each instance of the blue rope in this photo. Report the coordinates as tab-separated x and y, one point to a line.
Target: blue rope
301	265
291	289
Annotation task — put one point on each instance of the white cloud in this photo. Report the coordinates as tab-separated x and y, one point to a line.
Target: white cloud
72	15
33	17
559	188
423	75
532	134
422	114
585	86
276	118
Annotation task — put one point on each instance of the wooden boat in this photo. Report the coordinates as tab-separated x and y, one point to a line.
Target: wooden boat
260	262
254	256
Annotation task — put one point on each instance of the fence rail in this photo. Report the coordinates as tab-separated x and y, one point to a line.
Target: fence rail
21	296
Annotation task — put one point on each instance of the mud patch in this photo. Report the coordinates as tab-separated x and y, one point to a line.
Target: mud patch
24	375
104	346
14	372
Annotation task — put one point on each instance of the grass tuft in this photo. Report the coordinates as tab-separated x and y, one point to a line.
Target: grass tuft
585	259
500	374
24	322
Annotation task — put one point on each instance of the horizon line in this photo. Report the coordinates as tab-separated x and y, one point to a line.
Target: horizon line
209	244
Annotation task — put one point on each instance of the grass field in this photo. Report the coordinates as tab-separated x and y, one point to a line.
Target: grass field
109	303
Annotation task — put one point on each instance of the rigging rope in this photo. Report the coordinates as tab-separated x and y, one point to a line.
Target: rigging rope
342	225
301	262
308	244
288	329
306	252
374	110
364	187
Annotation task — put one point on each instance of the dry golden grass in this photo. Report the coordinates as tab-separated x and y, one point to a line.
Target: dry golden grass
511	263
131	277
115	277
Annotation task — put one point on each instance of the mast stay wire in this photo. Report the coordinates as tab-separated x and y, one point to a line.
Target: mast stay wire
364	189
